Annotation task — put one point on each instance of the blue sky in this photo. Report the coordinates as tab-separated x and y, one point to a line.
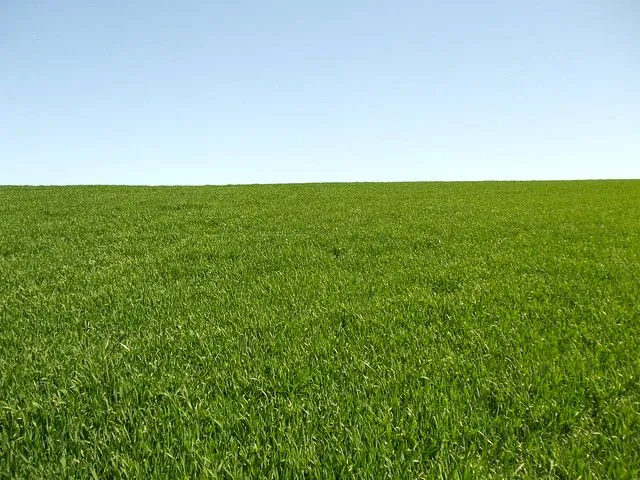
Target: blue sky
217	92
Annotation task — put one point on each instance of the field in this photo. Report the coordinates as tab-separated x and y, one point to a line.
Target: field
417	330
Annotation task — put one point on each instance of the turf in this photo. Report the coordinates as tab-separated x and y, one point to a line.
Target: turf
417	330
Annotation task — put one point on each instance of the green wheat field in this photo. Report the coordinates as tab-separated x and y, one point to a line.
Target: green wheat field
391	330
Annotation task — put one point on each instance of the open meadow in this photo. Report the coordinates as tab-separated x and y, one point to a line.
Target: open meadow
391	330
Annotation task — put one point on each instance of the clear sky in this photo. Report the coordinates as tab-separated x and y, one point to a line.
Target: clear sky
217	92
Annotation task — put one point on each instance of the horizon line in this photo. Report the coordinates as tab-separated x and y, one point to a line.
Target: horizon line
329	182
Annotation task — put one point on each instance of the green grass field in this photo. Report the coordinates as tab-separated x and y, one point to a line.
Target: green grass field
418	330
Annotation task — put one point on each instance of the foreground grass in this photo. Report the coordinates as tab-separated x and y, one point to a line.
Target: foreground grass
323	331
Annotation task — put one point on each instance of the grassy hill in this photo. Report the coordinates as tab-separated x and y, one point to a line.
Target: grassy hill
436	330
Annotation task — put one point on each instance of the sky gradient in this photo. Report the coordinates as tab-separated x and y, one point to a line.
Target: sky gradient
206	92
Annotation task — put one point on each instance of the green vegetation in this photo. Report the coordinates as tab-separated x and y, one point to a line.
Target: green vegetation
436	330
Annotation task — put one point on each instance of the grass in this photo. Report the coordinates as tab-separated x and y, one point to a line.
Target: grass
423	330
